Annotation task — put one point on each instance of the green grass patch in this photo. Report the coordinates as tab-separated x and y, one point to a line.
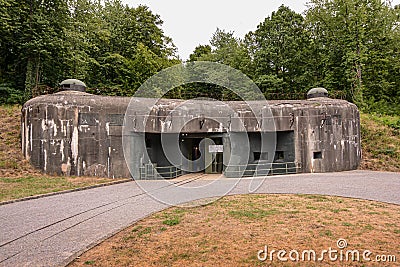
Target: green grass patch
172	221
145	231
347	224
173	216
252	214
338	210
136	229
327	233
392	122
317	198
369	227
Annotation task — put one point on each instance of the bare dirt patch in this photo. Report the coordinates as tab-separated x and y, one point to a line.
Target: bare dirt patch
231	231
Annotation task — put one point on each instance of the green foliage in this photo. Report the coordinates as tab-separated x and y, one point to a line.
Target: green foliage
112	47
350	47
387	105
357	41
9	95
127	47
280	48
201	51
230	51
392	122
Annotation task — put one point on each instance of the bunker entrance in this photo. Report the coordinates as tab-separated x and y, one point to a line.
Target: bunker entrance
203	152
199	153
269	154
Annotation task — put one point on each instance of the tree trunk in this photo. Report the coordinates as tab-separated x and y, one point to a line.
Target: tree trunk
29	78
32	78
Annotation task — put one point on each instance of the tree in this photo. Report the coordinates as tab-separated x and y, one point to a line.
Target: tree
85	34
229	50
382	64
200	52
226	49
131	48
355	36
105	43
280	45
42	43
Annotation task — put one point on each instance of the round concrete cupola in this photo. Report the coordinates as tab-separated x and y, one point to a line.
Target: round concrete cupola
73	85
317	92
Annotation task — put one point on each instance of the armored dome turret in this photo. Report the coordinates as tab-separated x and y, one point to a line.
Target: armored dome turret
73	85
317	92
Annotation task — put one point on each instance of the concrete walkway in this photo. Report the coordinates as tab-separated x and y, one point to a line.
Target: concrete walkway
52	231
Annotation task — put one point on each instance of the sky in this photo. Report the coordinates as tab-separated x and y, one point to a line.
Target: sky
192	22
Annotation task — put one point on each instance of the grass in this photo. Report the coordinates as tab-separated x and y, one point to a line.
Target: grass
15	188
172	222
392	122
252	213
174	217
380	142
230	232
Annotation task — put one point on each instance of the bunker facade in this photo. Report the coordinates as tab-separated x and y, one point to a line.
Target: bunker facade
74	133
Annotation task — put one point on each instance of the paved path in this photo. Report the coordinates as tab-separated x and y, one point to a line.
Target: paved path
51	231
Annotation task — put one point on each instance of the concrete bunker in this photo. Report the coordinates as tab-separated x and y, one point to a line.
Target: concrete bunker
80	134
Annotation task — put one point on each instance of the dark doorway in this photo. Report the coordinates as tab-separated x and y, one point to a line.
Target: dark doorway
216	152
196	154
193	146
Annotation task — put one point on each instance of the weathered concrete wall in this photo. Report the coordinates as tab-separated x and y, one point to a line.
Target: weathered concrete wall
74	133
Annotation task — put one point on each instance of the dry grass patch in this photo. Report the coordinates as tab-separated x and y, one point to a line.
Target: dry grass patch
21	187
380	143
12	162
232	230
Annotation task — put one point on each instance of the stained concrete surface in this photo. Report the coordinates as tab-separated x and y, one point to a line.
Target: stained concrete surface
52	231
78	134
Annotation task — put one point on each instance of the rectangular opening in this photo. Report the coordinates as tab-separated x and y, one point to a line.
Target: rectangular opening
279	155
260	156
148	142
318	155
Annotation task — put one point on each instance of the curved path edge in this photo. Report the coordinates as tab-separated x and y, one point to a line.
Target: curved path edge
54	230
64	192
